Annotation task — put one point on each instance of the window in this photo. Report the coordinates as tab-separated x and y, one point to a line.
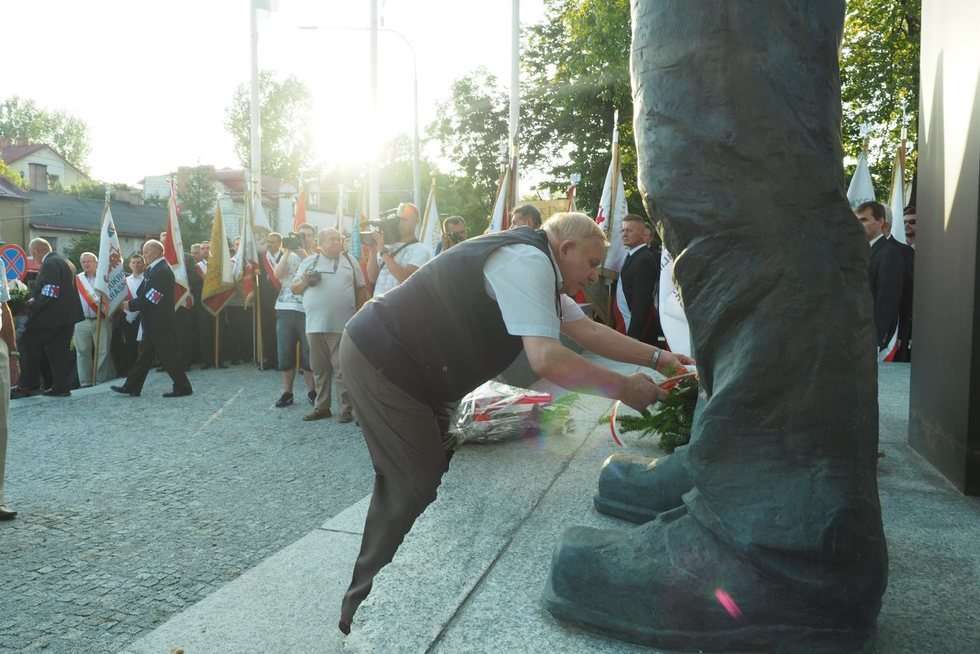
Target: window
38	177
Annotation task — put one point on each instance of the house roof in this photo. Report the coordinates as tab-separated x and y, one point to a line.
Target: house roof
62	212
234	180
13	153
10	190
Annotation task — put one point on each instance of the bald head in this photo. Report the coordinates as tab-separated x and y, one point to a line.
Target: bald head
38	248
152	250
331	242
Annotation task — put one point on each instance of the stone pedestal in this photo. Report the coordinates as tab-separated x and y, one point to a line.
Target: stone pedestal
944	416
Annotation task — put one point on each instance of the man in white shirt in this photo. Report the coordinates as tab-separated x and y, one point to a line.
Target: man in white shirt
9	372
328	283
390	265
290	326
88	329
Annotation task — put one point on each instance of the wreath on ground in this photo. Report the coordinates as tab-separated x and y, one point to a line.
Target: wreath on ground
671	418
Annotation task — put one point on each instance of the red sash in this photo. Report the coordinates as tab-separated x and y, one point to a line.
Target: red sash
270	272
86	297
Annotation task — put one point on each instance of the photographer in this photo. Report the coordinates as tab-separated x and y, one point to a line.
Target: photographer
453	233
328	282
390	265
411	354
290	320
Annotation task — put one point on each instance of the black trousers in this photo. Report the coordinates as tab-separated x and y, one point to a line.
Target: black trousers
51	343
184	336
124	346
170	361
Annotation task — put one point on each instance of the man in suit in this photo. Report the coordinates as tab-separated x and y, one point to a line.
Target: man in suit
887	272
638	279
54	310
155	302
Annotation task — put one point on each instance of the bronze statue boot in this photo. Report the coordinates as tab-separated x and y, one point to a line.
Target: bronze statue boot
671	584
638	489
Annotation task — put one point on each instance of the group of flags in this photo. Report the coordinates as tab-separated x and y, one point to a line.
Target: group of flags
861	189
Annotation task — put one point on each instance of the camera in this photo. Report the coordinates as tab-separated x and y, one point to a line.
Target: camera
292	241
390	227
311	277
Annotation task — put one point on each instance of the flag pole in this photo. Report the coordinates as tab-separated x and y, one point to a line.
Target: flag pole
217	340
98	310
613	187
259	345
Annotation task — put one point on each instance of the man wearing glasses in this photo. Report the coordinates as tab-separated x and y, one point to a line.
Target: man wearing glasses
327	282
391	264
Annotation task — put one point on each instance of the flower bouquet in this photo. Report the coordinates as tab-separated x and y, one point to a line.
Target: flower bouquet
19	295
497	412
671	418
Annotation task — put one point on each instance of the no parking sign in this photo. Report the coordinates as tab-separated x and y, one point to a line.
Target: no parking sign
15	261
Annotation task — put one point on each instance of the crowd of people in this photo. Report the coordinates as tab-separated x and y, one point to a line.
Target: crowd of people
440	323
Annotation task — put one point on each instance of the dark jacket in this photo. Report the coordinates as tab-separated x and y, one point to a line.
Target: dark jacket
887	275
905	304
640	276
155	302
54	298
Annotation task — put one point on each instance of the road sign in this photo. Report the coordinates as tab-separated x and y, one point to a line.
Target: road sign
15	261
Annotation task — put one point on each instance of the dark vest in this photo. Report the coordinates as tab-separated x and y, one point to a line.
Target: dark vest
438	335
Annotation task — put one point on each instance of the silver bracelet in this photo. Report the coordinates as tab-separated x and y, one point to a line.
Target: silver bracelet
655	357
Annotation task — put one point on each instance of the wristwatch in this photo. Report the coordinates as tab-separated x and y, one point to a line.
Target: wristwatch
655	357
14	354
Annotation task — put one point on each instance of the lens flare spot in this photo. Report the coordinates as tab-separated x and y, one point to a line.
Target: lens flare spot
728	603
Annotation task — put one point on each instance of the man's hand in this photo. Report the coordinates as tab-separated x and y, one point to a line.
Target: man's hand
640	392
672	363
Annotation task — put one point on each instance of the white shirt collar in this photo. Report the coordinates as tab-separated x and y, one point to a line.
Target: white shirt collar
154	264
872	242
638	247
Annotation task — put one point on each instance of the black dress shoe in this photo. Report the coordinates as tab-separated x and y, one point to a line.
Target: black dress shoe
7	514
286	399
124	391
311	396
17	394
178	393
54	393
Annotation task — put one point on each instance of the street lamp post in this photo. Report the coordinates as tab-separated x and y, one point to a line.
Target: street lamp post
416	189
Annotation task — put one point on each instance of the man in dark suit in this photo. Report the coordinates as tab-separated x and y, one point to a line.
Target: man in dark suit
887	272
638	279
155	302
904	353
54	310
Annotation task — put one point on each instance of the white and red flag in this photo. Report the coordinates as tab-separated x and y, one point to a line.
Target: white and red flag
173	254
612	207
110	276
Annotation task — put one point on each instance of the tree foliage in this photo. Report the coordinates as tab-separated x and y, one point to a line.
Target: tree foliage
12	175
471	129
284	125
85	243
196	198
880	79
22	120
575	73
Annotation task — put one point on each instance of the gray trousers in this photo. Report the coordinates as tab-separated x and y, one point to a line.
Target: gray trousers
4	409
325	361
405	439
85	349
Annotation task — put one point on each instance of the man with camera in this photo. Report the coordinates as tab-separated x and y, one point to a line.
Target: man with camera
328	281
411	354
290	320
393	251
453	233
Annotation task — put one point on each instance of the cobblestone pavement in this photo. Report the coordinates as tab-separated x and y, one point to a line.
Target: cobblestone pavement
132	509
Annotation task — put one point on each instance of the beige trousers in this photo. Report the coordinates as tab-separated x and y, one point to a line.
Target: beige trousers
85	351
325	361
4	409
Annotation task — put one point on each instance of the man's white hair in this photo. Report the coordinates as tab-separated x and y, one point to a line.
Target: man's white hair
83	255
573	226
155	243
39	243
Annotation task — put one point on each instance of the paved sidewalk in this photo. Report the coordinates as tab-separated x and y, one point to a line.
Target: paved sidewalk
134	509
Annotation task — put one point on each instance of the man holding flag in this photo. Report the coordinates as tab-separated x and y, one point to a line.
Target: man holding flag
155	302
92	335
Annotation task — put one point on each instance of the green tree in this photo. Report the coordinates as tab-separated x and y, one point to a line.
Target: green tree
12	175
197	198
880	79
471	130
22	120
576	67
88	242
284	125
